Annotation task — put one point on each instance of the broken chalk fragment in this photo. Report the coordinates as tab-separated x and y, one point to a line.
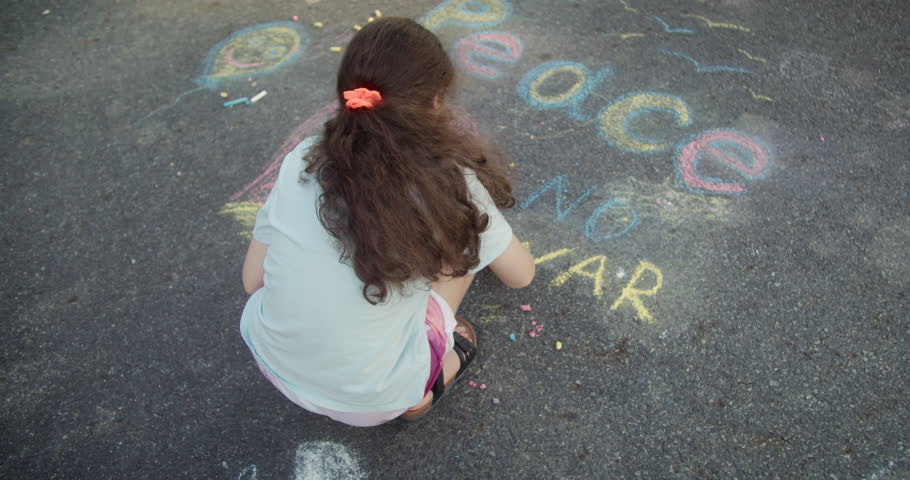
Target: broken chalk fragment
238	101
259	96
295	18
357	27
483	386
335	49
46	12
472	383
495	401
512	336
533	322
223	94
532	333
377	13
526	308
558	345
318	24
370	19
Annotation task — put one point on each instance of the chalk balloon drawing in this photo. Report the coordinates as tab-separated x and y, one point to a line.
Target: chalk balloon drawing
255	50
250	52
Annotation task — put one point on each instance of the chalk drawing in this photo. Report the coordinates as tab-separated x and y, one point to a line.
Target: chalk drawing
662	201
560	192
760	97
572	97
579	270
627	7
750	57
248	473
737	151
550	256
631	220
253	51
243	213
708	69
497	46
673	30
616	117
712	24
632	294
626	36
326	461
472	13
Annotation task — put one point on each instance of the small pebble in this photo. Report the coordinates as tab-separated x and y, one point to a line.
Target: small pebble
318	24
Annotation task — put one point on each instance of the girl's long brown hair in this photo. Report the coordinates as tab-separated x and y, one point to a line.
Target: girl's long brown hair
394	192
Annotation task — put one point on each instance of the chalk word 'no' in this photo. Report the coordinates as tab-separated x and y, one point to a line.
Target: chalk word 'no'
591	225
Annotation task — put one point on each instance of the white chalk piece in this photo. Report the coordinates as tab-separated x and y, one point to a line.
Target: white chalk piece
259	96
326	461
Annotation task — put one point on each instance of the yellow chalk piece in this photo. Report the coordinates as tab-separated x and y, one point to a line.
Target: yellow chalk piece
633	294
613	119
466	11
357	27
750	57
760	97
526	245
712	24
532	137
223	94
243	213
551	255
512	165
370	19
558	345
335	49
318	24
579	269
377	13
580	81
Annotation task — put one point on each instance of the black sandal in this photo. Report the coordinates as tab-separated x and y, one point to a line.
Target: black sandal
466	351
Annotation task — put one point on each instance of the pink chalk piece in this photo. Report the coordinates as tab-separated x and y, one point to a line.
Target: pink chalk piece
497	46
295	18
253	84
706	146
540	328
472	383
526	308
483	386
533	322
822	138
532	333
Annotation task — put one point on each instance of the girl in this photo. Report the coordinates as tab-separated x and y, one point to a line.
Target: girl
371	237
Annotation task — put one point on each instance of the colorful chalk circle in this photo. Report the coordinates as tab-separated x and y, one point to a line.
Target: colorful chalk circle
471	13
617	117
255	50
561	84
737	151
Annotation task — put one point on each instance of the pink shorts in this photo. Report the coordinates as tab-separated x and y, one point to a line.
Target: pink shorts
440	323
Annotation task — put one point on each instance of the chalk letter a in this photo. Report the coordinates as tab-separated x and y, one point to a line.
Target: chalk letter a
579	269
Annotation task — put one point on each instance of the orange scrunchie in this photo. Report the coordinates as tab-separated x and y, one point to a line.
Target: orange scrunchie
361	98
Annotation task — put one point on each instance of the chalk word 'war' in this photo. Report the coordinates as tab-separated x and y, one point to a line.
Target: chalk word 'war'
632	293
620	209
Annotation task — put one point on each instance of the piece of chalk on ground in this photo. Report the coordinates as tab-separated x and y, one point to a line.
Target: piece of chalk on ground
357	27
223	94
295	18
231	103
259	96
377	13
46	12
512	336
335	49
318	24
483	386
370	19
526	308
558	345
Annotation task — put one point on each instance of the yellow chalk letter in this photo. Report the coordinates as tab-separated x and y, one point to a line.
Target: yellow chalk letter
633	294
579	269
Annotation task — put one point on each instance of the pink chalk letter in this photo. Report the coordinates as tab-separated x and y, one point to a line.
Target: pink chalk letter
497	46
735	150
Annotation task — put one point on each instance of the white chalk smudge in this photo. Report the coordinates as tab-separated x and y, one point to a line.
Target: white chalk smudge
325	461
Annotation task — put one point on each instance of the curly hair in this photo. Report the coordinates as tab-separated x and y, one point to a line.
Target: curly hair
392	177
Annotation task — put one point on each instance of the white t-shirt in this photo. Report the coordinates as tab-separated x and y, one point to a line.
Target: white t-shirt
310	325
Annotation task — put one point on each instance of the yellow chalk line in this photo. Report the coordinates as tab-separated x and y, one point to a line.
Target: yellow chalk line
627	7
750	57
712	24
759	97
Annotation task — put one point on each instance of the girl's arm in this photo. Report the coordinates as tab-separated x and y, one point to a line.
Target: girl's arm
253	268
515	266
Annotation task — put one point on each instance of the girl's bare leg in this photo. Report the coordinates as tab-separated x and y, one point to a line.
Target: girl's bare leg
453	291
